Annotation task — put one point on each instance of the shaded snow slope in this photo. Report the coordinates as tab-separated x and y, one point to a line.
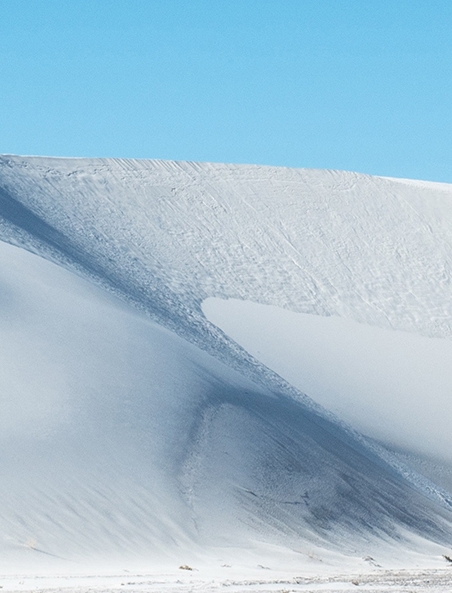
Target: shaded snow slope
392	386
123	437
120	440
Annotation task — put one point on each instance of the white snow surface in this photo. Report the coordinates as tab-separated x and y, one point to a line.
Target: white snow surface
135	431
121	443
260	580
393	386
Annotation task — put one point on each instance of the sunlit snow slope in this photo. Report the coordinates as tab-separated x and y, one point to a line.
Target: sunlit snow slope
132	427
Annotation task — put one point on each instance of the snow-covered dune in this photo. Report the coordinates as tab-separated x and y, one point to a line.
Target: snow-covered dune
131	427
393	386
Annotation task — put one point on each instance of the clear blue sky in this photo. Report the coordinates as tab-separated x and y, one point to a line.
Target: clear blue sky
363	85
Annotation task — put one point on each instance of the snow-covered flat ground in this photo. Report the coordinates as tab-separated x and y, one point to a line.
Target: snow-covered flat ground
260	581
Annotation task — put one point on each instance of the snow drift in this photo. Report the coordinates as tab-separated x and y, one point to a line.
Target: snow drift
132	427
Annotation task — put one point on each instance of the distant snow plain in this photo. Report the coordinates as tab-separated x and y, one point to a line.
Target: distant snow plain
245	370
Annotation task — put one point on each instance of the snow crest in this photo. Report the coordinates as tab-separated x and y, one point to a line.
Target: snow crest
140	431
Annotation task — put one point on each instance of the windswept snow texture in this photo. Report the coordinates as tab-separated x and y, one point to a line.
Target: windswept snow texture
145	432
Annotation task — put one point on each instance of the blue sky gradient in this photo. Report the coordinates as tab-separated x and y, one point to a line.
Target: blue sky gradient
363	85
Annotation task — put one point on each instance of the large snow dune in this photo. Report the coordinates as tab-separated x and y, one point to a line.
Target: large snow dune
132	427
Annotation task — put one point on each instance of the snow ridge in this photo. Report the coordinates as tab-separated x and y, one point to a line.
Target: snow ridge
185	441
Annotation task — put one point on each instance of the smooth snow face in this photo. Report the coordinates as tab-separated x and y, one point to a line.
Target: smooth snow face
134	443
120	442
393	386
85	452
99	411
